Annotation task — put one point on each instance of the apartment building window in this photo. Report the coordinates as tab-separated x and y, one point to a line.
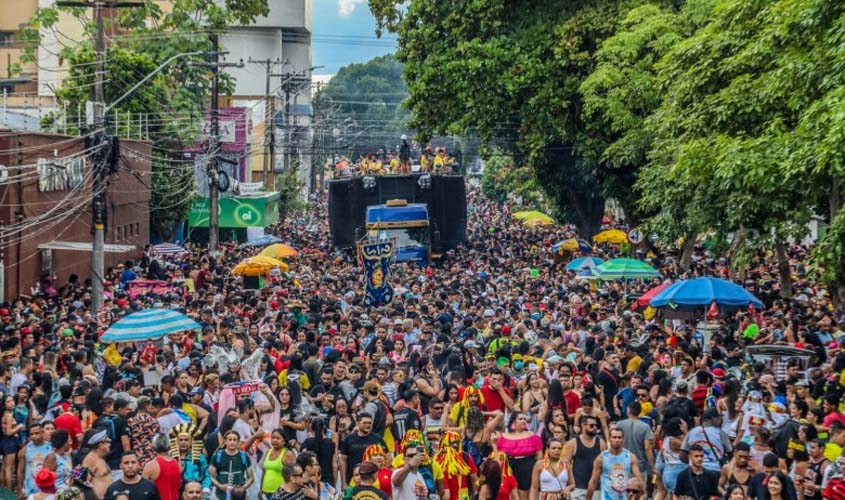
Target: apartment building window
7	38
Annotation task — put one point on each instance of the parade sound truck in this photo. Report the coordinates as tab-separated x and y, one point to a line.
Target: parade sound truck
423	214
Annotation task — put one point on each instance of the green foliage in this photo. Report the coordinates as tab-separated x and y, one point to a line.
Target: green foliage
366	98
173	99
511	73
502	177
290	187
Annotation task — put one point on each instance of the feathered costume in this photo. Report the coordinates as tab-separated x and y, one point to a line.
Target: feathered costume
384	473
194	466
460	412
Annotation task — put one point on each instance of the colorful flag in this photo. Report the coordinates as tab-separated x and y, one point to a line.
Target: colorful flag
377	266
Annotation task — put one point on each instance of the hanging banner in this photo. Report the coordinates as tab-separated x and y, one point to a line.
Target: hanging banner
143	287
377	266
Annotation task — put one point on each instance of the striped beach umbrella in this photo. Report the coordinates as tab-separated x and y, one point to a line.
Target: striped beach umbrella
625	269
169	249
149	324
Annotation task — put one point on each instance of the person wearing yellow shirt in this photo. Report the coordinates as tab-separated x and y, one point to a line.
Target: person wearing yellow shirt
394	165
425	160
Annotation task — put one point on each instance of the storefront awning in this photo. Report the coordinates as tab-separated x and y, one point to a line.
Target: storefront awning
80	246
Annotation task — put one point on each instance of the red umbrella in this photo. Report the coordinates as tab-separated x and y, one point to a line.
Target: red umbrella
645	298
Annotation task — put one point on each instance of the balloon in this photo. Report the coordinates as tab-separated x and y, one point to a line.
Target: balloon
535	272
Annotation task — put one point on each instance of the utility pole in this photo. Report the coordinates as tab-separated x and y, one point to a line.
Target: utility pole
214	144
317	127
213	150
98	266
269	128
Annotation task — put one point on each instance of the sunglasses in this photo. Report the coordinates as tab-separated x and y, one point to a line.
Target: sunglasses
412	455
633	491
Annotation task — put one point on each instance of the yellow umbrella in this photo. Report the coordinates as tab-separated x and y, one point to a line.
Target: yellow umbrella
258	266
537	222
279	251
615	236
534	218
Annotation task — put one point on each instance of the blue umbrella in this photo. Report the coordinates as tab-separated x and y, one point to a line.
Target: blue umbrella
702	292
583	262
149	324
263	241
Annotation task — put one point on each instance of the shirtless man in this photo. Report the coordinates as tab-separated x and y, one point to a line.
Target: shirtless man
95	462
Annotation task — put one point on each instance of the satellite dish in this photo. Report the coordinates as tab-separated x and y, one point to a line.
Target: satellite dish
4	173
223	181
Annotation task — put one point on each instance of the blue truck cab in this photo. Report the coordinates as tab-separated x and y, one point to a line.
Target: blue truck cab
407	224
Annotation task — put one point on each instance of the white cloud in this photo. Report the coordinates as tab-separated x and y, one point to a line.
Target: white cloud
345	7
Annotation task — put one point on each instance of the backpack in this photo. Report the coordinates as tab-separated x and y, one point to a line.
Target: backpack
106	423
218	458
676	407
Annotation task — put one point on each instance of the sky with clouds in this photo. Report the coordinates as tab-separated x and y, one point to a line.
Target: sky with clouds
344	33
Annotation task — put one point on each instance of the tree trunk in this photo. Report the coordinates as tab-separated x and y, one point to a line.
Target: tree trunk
837	292
686	252
784	275
739	239
590	214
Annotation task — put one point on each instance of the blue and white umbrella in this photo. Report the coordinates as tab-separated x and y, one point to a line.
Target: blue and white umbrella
263	241
169	249
583	263
149	324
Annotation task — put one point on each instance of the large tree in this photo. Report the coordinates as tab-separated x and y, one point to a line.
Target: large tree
365	102
747	133
174	102
511	71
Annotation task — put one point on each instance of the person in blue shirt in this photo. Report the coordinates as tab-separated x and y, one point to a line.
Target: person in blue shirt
128	274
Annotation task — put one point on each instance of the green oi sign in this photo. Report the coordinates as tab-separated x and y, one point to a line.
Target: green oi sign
237	212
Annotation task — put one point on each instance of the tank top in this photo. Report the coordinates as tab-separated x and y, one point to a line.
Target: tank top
615	472
64	466
582	462
169	479
730	426
273	472
813	477
669	456
34	457
549	483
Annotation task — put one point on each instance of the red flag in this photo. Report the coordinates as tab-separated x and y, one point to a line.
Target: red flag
713	313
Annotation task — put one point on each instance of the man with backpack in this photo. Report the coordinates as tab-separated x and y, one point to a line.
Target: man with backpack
230	469
681	406
113	421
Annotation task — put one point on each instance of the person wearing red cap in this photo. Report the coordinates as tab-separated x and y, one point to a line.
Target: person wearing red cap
45	480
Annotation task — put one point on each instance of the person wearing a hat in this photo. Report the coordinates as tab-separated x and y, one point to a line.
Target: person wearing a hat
365	489
45	481
373	404
100	475
714	438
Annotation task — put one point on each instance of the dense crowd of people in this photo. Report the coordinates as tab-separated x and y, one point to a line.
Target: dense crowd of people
491	375
408	157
